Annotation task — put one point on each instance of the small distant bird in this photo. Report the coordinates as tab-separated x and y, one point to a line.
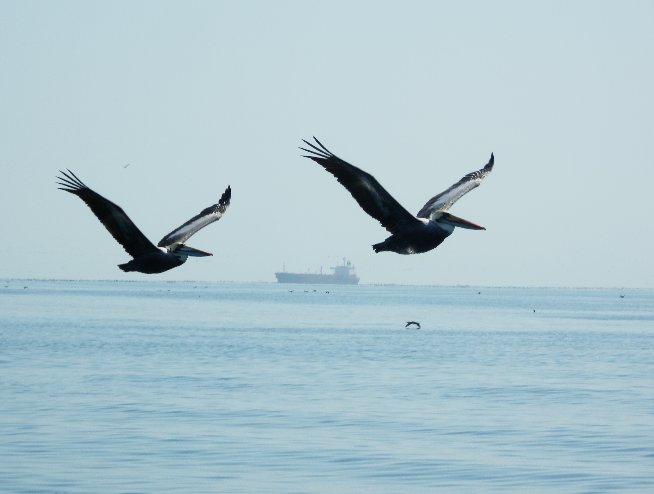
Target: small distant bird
170	251
412	323
409	234
621	296
125	166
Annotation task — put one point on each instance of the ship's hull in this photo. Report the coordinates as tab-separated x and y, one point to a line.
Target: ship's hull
309	278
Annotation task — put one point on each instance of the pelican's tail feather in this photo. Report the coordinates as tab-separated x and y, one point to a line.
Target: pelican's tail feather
126	267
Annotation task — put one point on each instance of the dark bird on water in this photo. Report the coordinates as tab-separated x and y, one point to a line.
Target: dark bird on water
169	253
409	234
412	323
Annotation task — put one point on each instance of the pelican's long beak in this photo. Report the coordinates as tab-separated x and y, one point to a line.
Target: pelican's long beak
190	251
450	219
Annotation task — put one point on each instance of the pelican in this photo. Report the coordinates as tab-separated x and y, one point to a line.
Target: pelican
409	234
170	251
412	323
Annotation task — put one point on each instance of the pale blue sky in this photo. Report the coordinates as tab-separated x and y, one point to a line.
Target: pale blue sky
199	95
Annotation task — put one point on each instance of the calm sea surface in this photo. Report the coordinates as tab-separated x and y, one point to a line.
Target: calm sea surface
135	387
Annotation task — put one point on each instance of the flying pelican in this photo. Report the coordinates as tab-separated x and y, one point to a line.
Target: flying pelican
412	323
409	234
170	251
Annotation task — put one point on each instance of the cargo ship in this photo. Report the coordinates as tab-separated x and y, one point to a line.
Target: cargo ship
342	275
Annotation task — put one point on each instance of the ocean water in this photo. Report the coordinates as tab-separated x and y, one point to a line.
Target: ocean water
153	387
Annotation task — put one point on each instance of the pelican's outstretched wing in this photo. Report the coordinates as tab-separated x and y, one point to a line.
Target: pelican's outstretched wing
207	216
110	215
370	195
444	200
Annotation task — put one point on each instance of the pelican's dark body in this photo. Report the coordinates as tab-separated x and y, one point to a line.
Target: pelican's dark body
153	262
415	239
